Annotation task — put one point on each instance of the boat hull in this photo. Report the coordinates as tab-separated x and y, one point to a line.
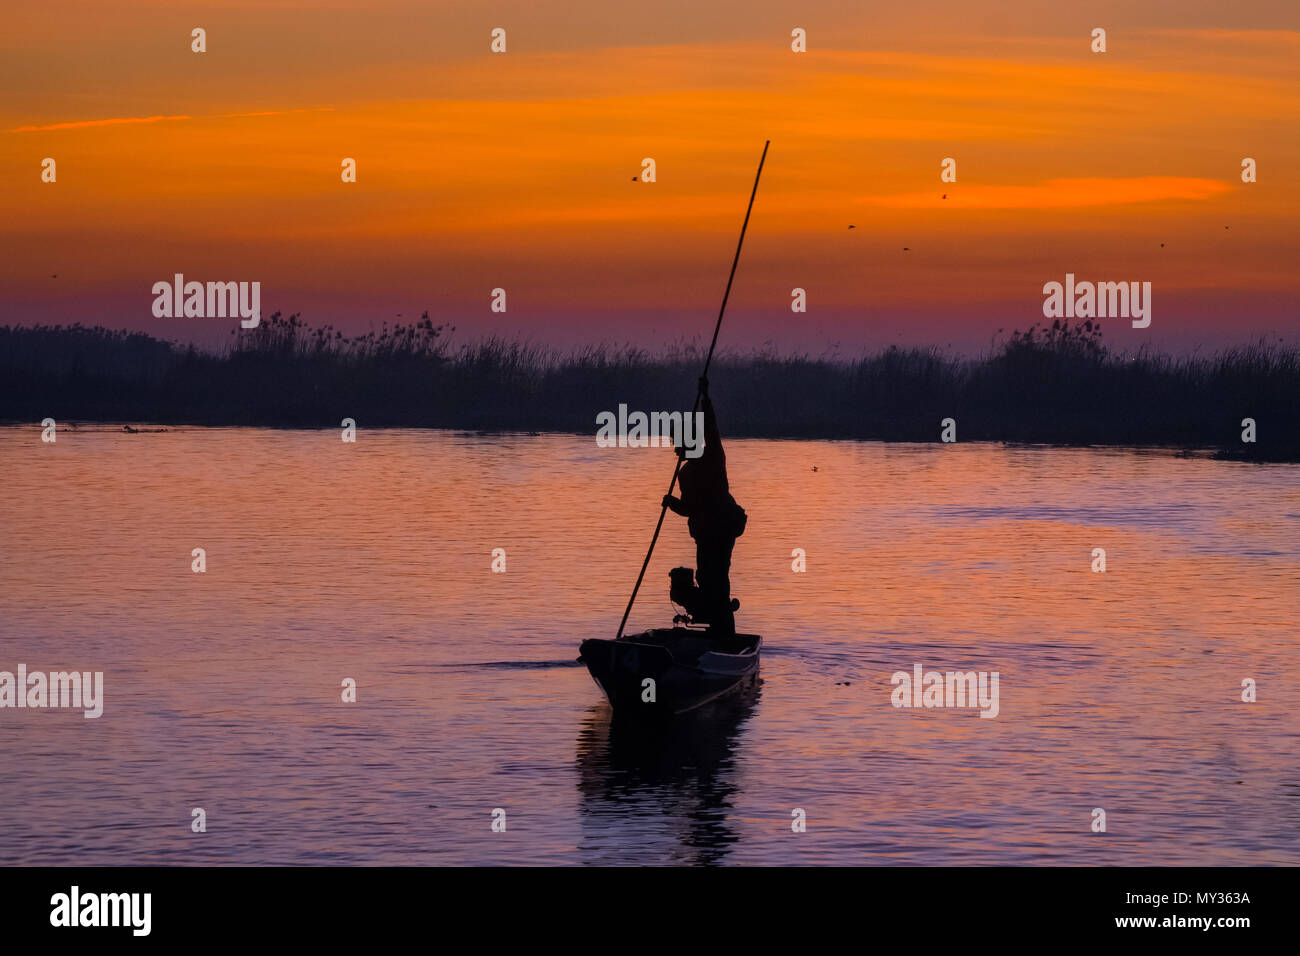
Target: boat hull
688	669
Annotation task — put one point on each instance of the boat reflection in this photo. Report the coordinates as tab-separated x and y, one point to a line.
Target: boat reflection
661	793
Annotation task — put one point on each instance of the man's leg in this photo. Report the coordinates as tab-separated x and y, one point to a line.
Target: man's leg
726	617
704	580
713	566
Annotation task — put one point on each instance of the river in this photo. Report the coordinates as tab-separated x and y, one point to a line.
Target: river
372	561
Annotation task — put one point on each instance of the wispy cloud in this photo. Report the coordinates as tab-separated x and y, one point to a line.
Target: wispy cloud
126	120
1057	193
82	124
305	109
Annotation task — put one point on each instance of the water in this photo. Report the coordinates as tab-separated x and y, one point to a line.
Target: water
372	561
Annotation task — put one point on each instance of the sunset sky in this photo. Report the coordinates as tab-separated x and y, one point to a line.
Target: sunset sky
479	170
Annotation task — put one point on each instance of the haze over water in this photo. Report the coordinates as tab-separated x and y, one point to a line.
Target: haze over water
372	561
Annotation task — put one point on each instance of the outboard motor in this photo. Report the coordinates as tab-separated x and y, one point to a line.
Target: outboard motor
683	591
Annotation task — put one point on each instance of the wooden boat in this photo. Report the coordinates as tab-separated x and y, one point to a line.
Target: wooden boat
668	671
689	668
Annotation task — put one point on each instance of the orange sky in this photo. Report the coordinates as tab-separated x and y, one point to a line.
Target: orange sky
516	170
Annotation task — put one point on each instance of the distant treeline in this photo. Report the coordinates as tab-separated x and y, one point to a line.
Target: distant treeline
1052	385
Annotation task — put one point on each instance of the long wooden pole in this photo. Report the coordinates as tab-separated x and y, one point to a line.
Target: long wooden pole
663	508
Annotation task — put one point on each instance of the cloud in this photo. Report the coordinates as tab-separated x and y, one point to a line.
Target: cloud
124	120
306	109
1055	193
118	121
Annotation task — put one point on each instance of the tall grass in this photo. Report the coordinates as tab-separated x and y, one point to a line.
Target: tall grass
1057	384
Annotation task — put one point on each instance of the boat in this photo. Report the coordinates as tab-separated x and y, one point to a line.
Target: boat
664	672
688	667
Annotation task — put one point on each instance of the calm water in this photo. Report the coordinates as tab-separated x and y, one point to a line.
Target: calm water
372	561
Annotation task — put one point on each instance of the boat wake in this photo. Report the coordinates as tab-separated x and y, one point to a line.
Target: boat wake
516	665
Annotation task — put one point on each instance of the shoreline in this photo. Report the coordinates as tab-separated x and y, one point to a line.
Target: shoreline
1198	450
1046	386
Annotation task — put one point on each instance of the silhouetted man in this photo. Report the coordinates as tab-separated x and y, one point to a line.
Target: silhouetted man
713	519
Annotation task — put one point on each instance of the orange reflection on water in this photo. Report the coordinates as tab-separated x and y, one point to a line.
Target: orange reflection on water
372	561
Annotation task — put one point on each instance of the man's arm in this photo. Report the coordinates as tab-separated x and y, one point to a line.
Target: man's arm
674	505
